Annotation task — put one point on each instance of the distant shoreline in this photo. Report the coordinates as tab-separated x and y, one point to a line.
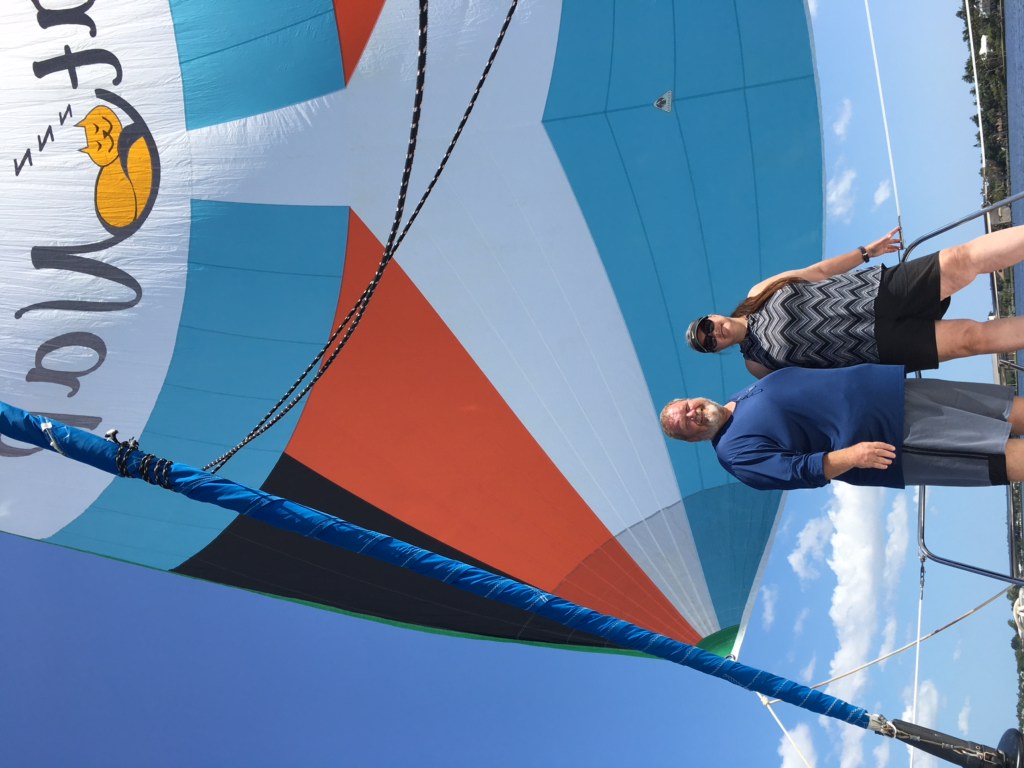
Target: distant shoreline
1013	30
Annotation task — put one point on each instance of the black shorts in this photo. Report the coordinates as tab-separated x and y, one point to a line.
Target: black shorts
906	309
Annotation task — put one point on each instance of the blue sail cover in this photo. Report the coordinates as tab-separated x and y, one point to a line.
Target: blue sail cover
200	486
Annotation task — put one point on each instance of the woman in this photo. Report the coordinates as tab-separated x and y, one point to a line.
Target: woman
825	316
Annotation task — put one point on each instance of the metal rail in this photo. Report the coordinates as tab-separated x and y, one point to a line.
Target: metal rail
953	225
923	496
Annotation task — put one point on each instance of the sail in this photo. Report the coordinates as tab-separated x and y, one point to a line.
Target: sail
198	192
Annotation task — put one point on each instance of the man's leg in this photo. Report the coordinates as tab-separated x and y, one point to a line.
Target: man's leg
959	265
962	338
1017	417
1014	460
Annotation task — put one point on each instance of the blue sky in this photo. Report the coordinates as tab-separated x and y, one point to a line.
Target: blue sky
108	664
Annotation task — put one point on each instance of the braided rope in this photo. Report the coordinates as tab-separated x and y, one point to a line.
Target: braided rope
355	314
152	468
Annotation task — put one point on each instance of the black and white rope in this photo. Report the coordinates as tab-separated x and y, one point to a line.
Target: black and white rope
152	468
352	319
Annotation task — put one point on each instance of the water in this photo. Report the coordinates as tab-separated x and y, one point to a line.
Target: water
1013	21
1013	12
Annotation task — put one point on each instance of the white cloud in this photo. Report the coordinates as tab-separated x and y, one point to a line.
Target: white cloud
882	193
868	546
853	748
769	596
963	720
842	123
804	745
807	673
810	548
857	560
958	650
867	551
798	625
928	701
882	753
812	6
897	536
839	197
888	638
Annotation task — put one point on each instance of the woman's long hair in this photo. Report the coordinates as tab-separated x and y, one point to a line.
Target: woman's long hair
752	304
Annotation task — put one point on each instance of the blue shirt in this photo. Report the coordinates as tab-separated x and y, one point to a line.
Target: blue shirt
784	425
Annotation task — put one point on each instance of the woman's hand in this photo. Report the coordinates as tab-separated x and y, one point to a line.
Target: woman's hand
889	243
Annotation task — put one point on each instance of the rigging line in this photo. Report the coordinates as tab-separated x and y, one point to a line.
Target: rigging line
266	422
356	313
917	649
462	124
785	731
885	120
898	651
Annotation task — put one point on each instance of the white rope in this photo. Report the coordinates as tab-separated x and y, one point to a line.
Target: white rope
906	647
917	653
789	737
885	120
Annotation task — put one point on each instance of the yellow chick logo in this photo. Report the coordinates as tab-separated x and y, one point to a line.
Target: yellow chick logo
125	181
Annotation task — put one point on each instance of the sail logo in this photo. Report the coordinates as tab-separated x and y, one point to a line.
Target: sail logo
73	282
124	185
127	157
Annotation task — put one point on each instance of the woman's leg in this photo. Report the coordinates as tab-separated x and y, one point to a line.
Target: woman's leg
963	338
959	265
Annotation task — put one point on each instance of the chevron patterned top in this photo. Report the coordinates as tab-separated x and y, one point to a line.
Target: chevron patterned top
826	324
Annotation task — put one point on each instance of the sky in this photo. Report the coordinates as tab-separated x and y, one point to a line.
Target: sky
108	664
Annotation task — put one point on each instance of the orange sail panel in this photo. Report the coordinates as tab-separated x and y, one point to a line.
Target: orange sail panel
451	458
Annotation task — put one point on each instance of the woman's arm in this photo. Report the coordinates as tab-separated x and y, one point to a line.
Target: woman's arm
837	265
757	370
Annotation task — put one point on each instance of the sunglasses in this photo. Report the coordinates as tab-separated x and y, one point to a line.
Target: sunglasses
707	327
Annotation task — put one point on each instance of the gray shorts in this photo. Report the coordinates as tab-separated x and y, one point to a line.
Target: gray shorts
955	433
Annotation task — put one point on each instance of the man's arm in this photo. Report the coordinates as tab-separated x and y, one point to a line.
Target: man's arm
761	463
865	455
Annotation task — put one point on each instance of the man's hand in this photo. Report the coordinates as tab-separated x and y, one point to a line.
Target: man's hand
867	455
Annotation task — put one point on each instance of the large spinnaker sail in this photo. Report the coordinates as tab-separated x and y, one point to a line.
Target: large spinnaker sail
499	401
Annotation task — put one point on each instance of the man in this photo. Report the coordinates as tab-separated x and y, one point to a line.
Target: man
865	425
